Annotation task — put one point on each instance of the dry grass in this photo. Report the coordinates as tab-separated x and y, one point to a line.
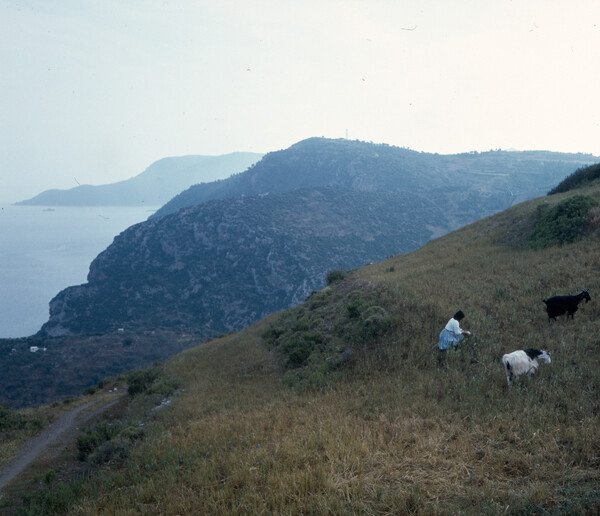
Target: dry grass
401	432
32	421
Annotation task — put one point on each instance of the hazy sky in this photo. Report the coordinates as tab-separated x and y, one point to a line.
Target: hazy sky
94	91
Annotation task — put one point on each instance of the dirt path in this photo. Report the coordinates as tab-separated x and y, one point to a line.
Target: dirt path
56	435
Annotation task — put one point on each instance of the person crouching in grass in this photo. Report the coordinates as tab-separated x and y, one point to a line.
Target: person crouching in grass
452	334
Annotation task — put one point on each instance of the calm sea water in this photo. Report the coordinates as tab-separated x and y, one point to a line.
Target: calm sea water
44	250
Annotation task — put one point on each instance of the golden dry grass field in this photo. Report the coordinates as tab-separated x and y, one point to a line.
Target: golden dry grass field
396	427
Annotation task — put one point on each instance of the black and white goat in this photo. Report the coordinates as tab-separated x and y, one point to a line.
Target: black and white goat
523	361
559	305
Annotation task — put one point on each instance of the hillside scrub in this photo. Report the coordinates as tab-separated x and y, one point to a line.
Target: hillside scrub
582	177
17	426
562	223
392	429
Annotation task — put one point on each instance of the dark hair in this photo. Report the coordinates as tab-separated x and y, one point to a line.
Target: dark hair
459	315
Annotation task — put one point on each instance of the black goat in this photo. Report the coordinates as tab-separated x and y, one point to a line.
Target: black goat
559	305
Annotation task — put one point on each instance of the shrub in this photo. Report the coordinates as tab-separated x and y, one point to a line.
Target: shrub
49	476
272	334
141	381
10	420
581	177
105	381
316	340
164	386
297	351
354	309
51	499
562	223
109	451
375	322
92	438
335	276
302	324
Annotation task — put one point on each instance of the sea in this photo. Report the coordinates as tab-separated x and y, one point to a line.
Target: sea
46	249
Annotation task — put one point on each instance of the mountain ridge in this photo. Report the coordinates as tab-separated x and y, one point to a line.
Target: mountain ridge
367	166
155	186
222	263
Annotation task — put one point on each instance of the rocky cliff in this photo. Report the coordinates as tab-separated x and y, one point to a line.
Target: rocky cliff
222	265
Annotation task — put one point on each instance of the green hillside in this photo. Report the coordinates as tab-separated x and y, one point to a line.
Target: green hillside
580	178
343	404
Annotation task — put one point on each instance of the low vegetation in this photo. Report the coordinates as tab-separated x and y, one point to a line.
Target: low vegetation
52	497
344	405
563	222
16	427
150	381
582	177
67	366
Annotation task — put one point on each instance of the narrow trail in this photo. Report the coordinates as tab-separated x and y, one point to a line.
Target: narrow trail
56	434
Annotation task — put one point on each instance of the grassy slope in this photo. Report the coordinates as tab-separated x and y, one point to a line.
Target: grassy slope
19	426
399	432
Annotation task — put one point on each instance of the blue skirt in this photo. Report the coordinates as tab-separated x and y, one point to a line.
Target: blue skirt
447	339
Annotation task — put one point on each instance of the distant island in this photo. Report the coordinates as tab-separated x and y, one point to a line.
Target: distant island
158	184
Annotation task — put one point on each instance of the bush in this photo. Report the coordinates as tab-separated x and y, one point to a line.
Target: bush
297	351
92	438
315	342
164	386
109	451
562	223
54	499
49	477
580	178
335	276
375	322
354	309
271	336
141	381
91	390
10	420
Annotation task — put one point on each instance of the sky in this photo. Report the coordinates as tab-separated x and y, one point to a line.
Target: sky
95	91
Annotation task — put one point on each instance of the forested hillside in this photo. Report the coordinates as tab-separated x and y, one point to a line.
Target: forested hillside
264	239
220	266
494	180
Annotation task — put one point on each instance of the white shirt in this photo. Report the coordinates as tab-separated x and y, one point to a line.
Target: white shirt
453	327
